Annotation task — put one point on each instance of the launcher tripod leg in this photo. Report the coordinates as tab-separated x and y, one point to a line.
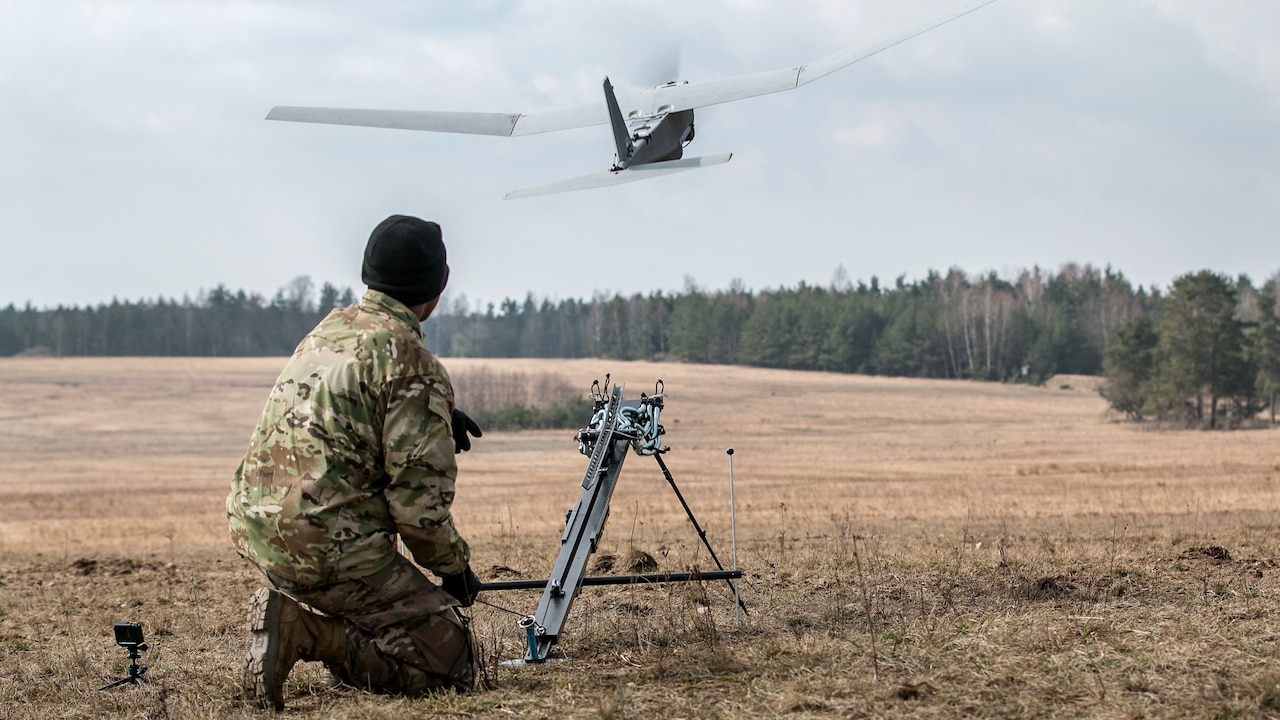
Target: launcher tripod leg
702	534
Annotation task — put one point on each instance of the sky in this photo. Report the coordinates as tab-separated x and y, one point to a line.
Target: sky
135	161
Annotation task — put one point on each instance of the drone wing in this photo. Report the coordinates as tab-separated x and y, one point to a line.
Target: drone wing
647	102
696	95
618	177
451	122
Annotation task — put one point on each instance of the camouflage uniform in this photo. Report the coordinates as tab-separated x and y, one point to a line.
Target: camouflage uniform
354	448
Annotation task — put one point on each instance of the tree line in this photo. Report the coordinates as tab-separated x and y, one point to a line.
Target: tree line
950	325
1204	352
220	322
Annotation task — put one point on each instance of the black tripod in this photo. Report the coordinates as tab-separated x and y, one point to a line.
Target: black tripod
135	670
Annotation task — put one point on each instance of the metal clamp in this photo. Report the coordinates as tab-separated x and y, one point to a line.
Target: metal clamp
532	631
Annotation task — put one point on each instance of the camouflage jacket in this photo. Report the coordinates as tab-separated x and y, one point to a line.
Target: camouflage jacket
353	448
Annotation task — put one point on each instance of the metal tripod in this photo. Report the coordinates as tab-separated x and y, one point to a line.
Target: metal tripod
135	670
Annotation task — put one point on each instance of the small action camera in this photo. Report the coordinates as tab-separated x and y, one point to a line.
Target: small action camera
129	635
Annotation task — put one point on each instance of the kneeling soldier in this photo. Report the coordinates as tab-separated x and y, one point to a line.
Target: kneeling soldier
355	448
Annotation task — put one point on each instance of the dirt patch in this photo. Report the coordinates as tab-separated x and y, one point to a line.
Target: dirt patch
1213	553
1053	587
639	561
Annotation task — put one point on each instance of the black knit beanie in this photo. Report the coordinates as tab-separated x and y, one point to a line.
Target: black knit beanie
405	258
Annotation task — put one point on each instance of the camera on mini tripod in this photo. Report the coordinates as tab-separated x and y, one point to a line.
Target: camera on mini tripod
129	637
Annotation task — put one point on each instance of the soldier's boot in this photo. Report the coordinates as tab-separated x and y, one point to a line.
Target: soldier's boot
282	633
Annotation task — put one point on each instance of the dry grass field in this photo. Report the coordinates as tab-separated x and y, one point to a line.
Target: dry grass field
913	549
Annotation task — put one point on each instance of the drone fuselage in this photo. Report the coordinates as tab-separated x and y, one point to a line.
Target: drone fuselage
647	136
657	138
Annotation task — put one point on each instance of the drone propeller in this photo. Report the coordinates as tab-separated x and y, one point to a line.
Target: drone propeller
660	65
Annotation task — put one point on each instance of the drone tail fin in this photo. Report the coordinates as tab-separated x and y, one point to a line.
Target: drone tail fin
621	138
618	177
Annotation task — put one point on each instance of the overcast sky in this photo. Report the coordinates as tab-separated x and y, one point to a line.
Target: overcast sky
135	161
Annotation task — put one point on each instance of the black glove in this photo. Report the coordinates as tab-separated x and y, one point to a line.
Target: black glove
464	586
463	424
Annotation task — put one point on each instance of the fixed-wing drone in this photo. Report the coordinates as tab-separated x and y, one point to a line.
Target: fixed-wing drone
652	132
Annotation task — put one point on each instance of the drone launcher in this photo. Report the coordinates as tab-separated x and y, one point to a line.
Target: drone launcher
616	427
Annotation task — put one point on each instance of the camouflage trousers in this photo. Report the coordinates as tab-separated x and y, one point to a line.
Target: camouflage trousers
403	634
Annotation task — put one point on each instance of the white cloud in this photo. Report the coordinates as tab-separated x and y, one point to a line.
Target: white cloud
869	135
1054	19
1241	38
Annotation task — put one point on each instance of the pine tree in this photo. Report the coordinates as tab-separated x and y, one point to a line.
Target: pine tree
1202	345
1129	363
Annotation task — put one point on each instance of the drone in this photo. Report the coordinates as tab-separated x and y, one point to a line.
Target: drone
651	128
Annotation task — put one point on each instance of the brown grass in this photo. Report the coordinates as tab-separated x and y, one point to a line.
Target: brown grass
914	548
